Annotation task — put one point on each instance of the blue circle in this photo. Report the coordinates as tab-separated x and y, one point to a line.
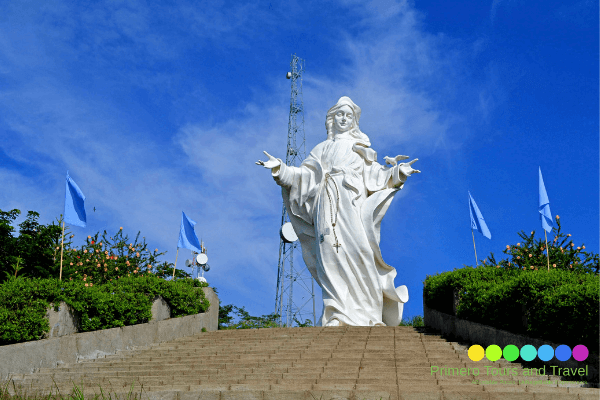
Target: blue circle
545	353
562	352
528	352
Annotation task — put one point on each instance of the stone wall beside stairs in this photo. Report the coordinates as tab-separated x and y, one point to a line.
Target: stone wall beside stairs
483	335
64	346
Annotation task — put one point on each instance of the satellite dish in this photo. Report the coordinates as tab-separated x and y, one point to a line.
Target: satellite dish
289	75
188	263
287	233
202	258
206	267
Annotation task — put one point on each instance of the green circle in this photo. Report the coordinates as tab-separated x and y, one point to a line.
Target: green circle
528	352
493	352
511	352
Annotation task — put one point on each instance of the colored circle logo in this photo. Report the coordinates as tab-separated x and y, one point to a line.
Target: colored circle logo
528	352
545	352
493	352
563	352
580	352
510	352
476	352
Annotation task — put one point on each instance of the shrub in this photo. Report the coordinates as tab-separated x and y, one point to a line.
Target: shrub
127	301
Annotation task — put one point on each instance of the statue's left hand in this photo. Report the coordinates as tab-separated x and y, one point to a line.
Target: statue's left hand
406	168
394	161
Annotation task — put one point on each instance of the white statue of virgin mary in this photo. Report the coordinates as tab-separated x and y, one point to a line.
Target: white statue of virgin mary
336	200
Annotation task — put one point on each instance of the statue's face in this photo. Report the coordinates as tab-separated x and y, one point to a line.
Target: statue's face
343	119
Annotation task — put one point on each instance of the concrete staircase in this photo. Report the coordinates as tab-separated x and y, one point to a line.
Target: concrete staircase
359	363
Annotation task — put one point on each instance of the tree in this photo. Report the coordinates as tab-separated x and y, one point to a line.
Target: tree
36	247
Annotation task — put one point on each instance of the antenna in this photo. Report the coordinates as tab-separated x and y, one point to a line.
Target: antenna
199	262
293	306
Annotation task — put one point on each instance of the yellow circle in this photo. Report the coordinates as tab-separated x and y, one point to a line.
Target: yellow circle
476	352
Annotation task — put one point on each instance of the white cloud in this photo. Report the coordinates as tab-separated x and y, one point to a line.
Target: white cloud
143	180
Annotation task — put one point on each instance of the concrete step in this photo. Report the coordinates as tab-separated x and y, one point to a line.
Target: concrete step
300	363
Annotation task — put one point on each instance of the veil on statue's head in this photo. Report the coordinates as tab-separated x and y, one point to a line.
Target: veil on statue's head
355	132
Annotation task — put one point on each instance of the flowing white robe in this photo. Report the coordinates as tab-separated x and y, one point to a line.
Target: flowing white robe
358	286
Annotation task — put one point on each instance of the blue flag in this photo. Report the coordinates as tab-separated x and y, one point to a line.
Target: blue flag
477	221
74	207
544	207
187	236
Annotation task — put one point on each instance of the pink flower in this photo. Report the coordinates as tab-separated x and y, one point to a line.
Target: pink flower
518	257
569	235
518	244
116	268
127	262
105	269
91	284
71	263
557	217
531	255
135	271
508	247
98	266
137	254
572	244
85	251
86	285
531	267
583	247
532	232
89	237
579	248
121	228
554	265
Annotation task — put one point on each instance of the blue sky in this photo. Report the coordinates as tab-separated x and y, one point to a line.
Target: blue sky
161	107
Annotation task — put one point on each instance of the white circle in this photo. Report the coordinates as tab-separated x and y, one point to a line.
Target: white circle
202	258
287	233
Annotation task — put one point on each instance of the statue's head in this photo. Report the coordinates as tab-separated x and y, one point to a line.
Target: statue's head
344	117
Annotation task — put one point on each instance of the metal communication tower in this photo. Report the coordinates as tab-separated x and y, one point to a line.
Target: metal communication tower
295	286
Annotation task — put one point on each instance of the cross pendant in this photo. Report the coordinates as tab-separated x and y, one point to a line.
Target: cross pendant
337	246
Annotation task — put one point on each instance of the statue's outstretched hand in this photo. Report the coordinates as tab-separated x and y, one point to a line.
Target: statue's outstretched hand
406	168
271	163
394	161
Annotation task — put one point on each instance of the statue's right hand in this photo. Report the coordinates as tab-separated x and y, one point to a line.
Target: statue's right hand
271	163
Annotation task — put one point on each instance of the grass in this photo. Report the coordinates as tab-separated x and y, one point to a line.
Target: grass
77	393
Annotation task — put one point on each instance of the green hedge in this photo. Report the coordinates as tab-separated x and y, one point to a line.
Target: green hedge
559	305
126	301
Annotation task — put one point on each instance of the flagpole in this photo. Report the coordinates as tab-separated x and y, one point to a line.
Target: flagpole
474	247
547	249
62	245
176	254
